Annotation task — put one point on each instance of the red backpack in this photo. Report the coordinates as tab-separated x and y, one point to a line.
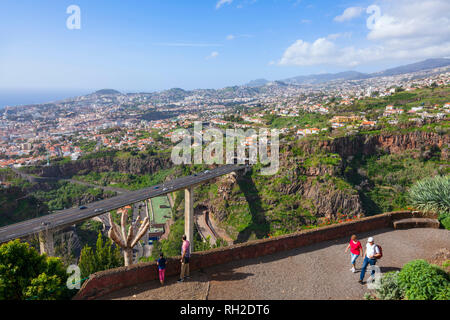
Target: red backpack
380	255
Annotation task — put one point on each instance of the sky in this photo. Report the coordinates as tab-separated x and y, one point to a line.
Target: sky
144	46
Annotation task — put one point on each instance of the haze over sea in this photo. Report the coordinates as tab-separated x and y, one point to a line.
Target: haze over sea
25	97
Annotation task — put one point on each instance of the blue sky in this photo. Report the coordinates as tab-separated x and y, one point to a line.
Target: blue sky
137	45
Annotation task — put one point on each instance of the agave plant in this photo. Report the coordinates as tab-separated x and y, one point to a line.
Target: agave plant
432	195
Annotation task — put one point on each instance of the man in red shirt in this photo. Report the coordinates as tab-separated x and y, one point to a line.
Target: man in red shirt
355	250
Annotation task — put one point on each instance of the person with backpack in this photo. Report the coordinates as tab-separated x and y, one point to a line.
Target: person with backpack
161	263
355	250
371	255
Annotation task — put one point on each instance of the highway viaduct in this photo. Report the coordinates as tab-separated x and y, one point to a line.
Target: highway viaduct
45	226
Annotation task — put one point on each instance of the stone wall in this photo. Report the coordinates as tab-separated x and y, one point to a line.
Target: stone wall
105	282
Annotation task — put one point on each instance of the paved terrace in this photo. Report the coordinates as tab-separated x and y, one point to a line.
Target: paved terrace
319	271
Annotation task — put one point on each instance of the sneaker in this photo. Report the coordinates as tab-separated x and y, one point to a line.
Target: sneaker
353	270
360	282
180	280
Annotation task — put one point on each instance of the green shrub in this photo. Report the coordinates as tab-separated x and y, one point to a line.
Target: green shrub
444	294
445	221
422	281
389	287
368	296
27	275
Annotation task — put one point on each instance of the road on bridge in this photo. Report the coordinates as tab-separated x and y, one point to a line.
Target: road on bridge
76	215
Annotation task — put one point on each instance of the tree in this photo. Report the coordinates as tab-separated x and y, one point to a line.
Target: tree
25	274
127	241
105	257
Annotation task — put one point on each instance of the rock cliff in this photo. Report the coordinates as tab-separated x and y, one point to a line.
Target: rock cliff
133	165
311	190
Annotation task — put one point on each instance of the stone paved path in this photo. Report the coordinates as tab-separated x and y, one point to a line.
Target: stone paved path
320	271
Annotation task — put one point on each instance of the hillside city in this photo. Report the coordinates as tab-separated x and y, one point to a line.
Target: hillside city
74	127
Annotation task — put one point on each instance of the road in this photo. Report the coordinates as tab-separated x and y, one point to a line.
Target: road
203	228
75	215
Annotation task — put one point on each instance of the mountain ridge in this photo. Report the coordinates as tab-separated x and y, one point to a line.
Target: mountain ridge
355	75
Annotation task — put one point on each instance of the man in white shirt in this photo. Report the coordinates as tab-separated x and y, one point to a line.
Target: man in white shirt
370	257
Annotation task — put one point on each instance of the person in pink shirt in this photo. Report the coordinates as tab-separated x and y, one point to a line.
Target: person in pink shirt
185	256
355	250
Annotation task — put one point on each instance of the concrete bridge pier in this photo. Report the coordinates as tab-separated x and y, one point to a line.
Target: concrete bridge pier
46	242
189	215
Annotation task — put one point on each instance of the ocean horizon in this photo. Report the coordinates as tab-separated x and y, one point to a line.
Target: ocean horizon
19	98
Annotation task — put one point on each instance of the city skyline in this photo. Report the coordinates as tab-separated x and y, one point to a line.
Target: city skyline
159	45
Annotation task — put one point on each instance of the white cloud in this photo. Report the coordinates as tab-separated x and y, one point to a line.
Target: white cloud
220	3
405	30
349	14
426	20
213	55
230	37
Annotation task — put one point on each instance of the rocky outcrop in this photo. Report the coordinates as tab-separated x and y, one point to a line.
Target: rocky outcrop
329	201
133	165
390	143
217	205
305	180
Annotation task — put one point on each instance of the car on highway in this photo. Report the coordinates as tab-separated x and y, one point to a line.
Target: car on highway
98	210
207	171
83	208
156	188
165	189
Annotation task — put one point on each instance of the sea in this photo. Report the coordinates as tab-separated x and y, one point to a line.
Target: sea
25	97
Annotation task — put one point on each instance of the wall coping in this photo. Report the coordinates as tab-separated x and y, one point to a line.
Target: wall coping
105	282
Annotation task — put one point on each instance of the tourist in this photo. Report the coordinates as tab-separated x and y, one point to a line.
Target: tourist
185	256
370	257
355	251
161	267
